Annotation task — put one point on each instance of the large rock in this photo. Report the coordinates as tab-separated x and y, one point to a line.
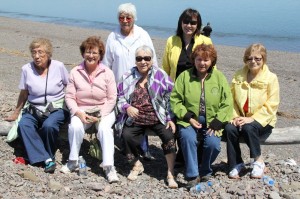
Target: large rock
5	127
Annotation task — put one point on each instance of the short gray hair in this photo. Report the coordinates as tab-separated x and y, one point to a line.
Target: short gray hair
127	8
144	48
44	43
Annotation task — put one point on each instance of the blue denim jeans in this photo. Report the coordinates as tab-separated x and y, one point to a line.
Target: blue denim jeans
189	138
40	137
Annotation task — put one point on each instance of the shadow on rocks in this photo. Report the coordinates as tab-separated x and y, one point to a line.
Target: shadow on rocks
19	149
156	168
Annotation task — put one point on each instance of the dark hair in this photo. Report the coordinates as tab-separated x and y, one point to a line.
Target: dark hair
92	42
189	14
205	51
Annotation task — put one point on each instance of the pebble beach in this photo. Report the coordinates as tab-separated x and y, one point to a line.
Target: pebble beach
25	181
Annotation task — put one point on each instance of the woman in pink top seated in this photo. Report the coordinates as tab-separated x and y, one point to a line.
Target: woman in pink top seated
92	85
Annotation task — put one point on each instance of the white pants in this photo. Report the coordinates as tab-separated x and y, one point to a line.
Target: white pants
105	135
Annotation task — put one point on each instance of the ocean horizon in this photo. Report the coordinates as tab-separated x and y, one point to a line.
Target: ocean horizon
276	26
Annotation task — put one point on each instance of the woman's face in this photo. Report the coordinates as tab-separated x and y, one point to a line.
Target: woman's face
126	22
40	57
255	62
202	64
143	61
189	26
91	56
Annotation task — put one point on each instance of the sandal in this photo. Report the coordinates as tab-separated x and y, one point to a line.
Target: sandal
136	170
172	184
258	170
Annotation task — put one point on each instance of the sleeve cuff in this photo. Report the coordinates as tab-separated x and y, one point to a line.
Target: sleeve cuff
216	124
188	116
125	107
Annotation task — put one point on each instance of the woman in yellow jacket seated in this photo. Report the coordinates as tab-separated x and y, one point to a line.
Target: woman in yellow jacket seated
255	93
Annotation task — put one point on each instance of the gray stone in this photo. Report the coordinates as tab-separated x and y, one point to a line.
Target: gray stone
241	192
295	186
54	185
274	195
29	175
5	127
95	186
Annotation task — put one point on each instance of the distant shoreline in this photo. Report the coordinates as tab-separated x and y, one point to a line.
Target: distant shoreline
228	39
16	34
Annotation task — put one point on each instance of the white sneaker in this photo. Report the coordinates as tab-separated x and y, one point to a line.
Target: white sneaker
71	166
234	173
258	170
111	174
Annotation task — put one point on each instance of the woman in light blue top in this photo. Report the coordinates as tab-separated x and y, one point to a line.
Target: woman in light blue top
41	102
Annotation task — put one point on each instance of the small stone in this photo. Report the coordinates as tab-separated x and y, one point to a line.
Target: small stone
295	186
274	195
54	186
107	189
241	192
95	186
67	189
29	175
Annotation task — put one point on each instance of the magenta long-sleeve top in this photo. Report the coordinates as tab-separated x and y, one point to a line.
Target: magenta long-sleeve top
84	92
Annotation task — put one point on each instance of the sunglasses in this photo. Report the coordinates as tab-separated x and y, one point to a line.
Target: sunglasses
257	59
186	21
139	58
122	19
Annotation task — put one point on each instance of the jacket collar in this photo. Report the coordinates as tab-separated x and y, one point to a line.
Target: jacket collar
194	71
100	68
245	70
135	72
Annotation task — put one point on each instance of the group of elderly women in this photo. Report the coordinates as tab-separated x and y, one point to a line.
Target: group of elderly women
198	106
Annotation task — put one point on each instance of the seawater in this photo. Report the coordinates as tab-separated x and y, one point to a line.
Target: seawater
276	24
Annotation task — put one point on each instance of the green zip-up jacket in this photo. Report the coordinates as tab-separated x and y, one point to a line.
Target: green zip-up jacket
185	98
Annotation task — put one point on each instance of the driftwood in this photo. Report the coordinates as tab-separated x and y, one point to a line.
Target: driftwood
288	135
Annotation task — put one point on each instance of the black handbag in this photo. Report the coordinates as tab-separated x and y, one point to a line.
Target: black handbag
37	113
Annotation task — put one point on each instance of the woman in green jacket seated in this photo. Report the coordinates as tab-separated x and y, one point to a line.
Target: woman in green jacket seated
202	103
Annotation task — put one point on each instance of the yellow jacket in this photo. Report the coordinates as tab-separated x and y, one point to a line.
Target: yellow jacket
173	50
262	94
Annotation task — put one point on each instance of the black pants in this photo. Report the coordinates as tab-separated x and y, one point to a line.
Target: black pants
251	133
133	135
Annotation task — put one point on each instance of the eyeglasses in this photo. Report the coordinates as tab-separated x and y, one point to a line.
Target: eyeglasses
91	53
257	59
186	21
140	58
122	19
39	52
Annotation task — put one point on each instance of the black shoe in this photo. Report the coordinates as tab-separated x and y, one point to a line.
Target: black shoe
178	165
192	182
206	178
50	167
147	156
179	161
